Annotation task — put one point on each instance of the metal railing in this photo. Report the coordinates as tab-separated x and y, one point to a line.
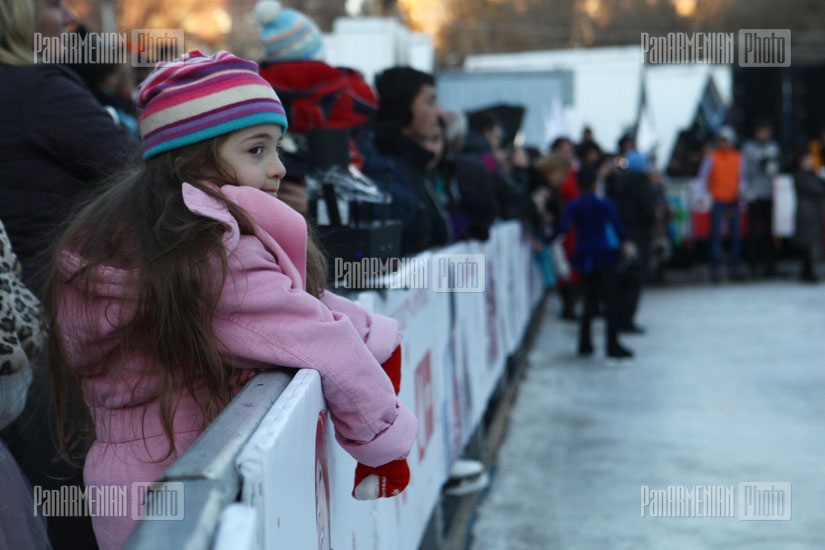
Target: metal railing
207	469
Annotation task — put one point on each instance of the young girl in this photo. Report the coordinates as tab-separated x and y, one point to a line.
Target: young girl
170	289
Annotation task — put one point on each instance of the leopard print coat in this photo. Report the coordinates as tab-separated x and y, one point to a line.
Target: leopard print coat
21	330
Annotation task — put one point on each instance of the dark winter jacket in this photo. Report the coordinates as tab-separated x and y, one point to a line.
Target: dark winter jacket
403	163
478	198
56	142
810	200
510	190
633	196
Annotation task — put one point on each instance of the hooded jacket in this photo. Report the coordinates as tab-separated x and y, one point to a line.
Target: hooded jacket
264	317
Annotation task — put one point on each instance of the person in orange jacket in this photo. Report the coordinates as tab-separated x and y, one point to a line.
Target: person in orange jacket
723	176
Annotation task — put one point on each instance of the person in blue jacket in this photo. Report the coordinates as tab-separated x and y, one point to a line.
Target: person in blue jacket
601	242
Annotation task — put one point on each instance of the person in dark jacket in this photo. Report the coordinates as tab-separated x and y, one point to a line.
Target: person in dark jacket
569	290
600	240
508	169
112	84
632	193
761	157
56	143
476	186
407	113
810	201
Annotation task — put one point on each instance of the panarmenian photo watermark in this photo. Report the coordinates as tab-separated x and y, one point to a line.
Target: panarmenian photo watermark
140	48
438	272
145	500
748	48
749	501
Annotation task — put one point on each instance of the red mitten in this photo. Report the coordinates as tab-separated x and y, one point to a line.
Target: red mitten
381	482
391	478
392	367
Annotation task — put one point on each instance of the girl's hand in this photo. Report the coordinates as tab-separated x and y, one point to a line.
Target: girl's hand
391	478
384	481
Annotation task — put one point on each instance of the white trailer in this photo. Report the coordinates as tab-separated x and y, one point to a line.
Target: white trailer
607	90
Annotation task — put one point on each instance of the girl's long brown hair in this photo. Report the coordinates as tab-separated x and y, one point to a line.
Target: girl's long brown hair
140	224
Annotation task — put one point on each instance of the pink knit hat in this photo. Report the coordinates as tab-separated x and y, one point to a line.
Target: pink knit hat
199	97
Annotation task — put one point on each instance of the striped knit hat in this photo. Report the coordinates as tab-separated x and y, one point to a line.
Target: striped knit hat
199	97
287	34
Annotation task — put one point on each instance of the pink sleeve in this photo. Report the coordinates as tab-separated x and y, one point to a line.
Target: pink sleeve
379	332
261	320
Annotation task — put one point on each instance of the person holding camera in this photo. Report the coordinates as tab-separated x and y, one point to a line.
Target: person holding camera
762	161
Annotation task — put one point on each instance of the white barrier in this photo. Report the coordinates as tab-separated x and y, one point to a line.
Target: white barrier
454	351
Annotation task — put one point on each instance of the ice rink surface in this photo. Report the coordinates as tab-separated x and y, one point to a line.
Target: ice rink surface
728	386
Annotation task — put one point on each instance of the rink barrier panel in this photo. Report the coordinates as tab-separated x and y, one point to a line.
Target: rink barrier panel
208	470
292	479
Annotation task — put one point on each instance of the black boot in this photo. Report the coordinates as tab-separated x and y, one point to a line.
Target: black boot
616	351
568	303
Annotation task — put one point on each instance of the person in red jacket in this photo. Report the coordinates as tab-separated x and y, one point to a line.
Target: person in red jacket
723	176
569	289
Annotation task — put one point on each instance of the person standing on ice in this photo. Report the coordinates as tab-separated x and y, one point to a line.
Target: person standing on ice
601	242
722	175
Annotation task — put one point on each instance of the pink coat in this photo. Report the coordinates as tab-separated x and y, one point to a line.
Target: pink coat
264	318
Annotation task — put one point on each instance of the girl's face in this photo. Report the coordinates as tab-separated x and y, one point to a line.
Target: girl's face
251	155
54	18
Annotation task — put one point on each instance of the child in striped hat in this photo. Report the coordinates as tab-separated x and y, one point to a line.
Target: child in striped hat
178	282
287	34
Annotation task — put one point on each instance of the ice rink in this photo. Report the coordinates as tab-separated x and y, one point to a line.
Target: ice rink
728	386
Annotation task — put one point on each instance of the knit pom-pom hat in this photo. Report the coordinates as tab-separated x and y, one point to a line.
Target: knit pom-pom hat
199	97
287	34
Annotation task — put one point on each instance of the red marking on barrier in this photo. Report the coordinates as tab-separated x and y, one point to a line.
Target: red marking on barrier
424	404
492	326
322	485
